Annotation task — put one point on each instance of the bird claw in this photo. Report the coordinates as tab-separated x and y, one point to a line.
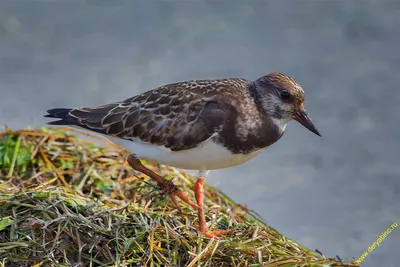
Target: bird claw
215	234
184	198
176	204
173	192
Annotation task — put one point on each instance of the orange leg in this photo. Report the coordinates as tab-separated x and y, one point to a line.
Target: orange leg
167	186
199	193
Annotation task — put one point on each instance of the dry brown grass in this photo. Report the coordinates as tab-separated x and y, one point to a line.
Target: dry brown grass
65	201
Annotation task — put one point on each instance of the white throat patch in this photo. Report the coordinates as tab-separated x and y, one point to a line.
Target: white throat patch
281	123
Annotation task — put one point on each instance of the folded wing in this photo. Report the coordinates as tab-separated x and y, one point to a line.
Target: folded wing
170	116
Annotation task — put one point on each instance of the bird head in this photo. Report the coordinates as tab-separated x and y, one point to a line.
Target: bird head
282	99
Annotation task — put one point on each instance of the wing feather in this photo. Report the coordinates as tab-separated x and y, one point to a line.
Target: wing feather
178	116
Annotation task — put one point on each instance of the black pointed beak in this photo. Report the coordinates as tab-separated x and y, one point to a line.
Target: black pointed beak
305	120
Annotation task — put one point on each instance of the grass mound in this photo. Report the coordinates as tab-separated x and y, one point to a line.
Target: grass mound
65	201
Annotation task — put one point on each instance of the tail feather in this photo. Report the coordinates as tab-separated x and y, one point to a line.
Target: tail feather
59	113
87	118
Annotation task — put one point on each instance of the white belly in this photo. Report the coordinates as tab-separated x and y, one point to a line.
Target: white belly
207	156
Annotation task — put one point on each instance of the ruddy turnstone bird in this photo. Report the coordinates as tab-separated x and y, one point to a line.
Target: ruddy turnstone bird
197	125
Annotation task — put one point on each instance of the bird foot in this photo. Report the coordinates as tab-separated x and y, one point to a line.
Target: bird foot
215	234
169	188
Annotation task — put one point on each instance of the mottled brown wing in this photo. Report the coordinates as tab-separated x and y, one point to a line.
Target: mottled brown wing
178	116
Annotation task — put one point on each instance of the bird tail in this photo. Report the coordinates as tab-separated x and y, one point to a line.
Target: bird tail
59	113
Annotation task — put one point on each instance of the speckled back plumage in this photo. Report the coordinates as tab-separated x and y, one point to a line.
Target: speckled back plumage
178	116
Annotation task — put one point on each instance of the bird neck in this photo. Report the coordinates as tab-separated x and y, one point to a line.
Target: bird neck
280	124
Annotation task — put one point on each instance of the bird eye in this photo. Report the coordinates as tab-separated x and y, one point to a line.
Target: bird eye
285	95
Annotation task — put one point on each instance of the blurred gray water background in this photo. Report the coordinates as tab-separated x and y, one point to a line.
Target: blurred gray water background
337	193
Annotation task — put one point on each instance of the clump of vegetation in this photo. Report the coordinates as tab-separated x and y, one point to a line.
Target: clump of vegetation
66	201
